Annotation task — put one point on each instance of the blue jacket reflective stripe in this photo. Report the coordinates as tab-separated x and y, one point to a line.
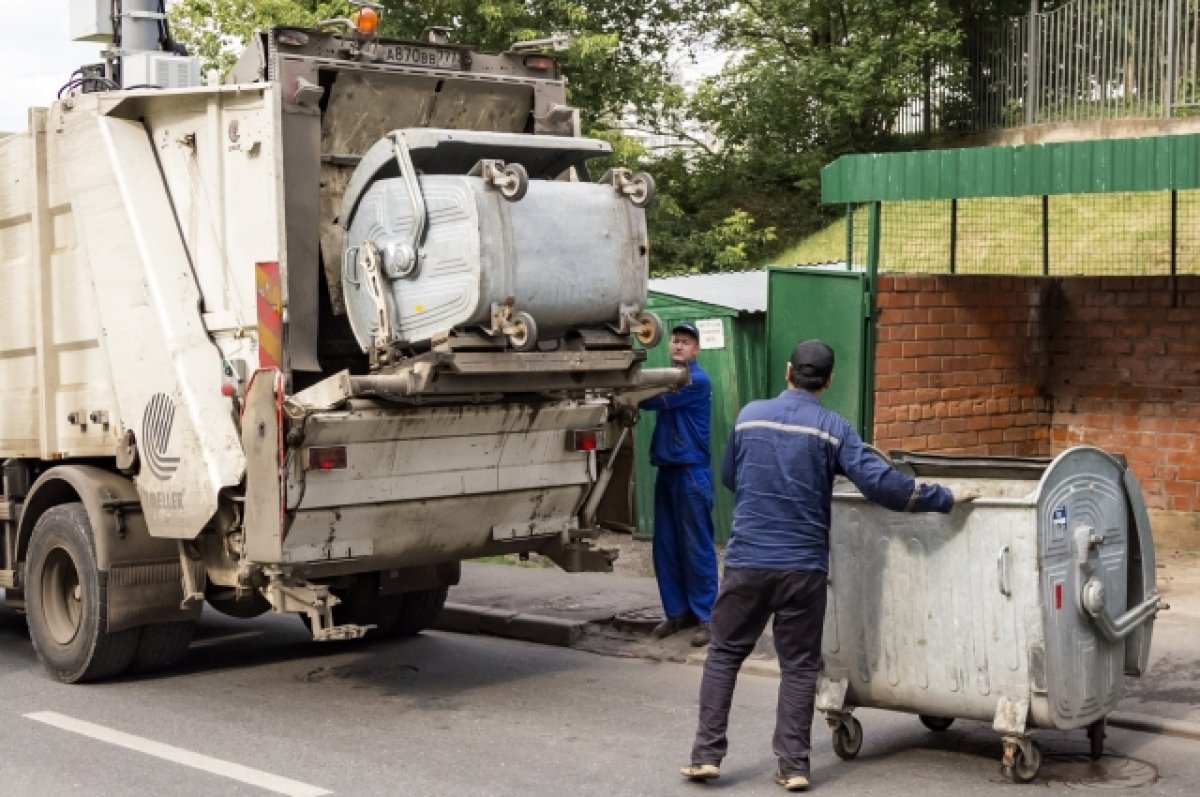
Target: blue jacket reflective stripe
781	461
681	428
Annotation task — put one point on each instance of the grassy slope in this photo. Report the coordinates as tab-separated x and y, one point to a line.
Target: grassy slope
1089	234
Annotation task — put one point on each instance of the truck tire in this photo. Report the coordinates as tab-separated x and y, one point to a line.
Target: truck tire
418	610
361	604
162	645
67	601
226	601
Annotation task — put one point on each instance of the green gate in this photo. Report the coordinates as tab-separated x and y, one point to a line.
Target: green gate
830	305
736	371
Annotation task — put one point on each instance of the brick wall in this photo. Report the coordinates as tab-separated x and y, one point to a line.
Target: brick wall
1030	366
960	365
1124	371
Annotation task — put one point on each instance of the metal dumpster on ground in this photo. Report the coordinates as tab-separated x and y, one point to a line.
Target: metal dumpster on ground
1025	609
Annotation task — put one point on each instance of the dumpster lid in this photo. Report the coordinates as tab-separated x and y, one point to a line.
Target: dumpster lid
970	467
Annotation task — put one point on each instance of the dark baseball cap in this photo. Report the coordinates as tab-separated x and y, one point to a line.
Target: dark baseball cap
687	329
812	358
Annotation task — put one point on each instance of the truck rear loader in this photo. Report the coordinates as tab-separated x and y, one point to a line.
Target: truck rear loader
305	340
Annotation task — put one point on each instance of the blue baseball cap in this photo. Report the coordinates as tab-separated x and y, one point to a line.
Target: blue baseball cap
687	329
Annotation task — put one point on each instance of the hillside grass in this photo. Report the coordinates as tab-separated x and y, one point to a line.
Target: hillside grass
1093	234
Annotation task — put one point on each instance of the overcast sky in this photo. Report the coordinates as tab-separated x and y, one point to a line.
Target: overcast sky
36	56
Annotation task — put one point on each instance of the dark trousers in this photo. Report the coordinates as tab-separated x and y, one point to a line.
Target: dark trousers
685	559
746	600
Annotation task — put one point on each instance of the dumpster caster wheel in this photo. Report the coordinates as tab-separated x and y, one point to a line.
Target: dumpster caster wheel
524	336
936	724
848	739
1096	737
649	330
642	190
515	182
1024	768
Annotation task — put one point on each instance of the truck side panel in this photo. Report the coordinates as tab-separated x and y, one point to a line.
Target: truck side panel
54	388
165	369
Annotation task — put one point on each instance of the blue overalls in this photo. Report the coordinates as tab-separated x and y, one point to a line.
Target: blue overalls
685	559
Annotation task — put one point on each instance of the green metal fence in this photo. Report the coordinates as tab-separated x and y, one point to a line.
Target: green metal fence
1118	207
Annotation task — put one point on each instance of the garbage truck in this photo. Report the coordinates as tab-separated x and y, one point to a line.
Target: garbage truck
304	339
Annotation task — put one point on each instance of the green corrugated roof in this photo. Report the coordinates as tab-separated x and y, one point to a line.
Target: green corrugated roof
1160	163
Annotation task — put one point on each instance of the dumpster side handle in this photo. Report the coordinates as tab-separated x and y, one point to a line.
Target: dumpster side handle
1004	564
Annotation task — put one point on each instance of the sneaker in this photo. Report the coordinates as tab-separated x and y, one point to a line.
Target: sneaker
701	772
701	637
794	782
672	625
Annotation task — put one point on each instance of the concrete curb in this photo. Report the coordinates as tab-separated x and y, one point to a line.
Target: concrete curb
1145	723
767	668
463	618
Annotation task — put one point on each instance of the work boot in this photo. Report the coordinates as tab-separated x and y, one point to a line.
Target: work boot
701	637
701	772
672	625
792	782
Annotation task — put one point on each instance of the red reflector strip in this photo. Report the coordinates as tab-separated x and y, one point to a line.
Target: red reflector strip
1058	595
330	458
270	315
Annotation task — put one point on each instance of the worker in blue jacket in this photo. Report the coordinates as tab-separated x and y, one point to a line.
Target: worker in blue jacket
685	557
781	461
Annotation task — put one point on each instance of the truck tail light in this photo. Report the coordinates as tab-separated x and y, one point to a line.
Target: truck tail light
586	440
328	458
539	63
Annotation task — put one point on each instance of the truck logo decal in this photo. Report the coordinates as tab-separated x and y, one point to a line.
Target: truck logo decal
157	423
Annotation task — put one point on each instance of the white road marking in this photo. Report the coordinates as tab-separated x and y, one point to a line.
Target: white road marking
216	766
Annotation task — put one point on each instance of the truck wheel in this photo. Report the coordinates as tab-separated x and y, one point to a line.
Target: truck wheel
67	601
162	646
418	610
227	602
361	604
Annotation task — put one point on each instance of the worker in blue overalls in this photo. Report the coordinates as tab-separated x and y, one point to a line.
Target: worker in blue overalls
685	559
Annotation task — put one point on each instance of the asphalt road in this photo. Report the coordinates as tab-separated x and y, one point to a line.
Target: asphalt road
259	709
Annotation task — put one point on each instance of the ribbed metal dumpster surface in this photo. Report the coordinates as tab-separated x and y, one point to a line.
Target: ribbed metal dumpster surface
1026	608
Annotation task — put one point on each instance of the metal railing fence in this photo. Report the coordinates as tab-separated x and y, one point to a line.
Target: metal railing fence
1084	60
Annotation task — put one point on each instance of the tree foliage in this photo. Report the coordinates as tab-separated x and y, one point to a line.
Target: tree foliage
217	30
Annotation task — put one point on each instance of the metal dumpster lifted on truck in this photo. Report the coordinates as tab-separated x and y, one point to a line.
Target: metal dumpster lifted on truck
306	340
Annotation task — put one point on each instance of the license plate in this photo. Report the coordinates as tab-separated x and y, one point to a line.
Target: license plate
420	56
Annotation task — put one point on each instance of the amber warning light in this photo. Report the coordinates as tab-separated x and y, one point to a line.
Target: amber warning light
328	458
366	21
